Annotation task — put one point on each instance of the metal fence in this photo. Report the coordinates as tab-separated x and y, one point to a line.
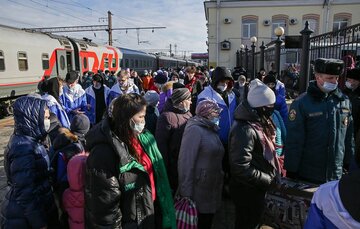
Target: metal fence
341	44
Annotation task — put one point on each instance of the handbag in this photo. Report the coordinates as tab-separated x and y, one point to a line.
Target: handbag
287	207
186	213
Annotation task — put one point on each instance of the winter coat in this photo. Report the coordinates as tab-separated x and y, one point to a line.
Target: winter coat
336	204
280	102
117	188
320	135
169	131
91	99
73	100
73	197
354	97
115	92
166	92
200	164
29	202
248	167
227	113
280	132
57	109
65	146
151	119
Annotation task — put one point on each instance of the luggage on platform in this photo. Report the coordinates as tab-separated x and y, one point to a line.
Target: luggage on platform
286	206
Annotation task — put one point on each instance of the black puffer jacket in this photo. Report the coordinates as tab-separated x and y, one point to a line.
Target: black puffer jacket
29	202
248	167
114	200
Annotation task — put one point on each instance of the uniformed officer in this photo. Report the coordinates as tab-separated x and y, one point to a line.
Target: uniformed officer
320	132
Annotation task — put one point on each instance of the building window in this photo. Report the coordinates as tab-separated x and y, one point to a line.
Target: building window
45	61
341	20
2	61
249	26
313	20
279	21
23	61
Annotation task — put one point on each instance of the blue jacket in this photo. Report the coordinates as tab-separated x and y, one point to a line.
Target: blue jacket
115	92
57	109
91	99
280	131
72	100
29	201
227	113
327	210
280	103
320	135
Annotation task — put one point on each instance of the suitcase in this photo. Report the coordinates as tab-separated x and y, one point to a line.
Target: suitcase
286	206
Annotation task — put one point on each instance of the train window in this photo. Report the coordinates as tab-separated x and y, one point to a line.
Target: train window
2	61
126	63
23	61
121	63
45	61
136	63
106	62
113	63
62	62
85	63
131	63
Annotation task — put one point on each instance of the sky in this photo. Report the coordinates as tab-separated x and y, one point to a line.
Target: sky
184	21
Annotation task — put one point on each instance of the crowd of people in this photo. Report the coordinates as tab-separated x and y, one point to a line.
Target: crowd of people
113	150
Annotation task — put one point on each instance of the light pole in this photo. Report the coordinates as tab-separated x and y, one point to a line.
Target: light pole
246	60
279	31
253	41
241	54
262	55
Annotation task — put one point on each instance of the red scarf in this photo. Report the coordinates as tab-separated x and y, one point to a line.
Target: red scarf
146	162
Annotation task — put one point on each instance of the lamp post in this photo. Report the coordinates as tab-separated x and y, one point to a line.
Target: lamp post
241	54
279	31
253	41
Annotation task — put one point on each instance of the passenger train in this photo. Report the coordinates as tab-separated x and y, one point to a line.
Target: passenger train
26	56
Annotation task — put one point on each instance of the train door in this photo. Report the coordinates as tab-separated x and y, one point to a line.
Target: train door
61	63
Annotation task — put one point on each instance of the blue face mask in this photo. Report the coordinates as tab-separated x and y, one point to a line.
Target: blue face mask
216	121
328	87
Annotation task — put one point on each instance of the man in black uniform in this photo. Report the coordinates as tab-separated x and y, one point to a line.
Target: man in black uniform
353	91
320	131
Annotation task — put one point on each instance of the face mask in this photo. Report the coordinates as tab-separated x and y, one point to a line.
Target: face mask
329	86
215	120
47	124
241	84
348	85
97	86
265	111
137	127
222	88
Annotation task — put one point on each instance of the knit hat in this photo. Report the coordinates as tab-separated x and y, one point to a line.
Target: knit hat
80	124
160	78
329	66
206	107
270	78
353	74
259	94
71	77
179	95
152	98
145	73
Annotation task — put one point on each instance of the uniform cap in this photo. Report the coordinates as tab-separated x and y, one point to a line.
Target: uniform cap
329	66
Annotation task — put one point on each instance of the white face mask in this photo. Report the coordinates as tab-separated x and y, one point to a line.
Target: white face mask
241	84
137	127
222	87
47	124
328	87
348	85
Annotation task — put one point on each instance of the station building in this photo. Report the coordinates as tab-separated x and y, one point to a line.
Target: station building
231	24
